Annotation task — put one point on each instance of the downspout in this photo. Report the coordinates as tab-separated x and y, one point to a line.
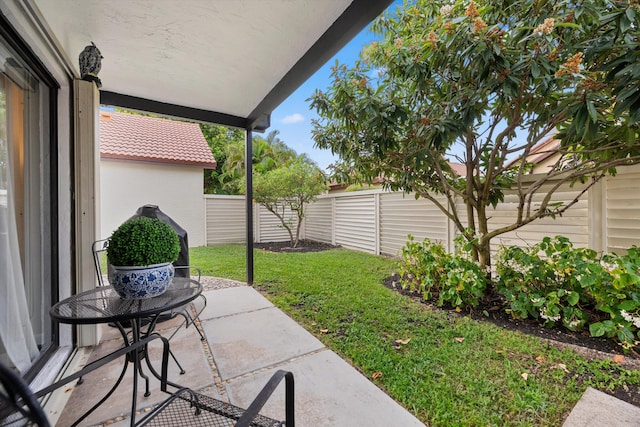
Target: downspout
248	170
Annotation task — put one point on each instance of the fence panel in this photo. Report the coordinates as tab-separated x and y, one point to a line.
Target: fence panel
622	207
318	222
378	221
573	224
355	221
401	215
269	228
225	218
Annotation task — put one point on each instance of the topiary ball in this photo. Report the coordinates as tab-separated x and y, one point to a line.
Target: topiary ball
143	241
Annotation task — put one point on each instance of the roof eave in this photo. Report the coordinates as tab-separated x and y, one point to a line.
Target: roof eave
355	18
205	165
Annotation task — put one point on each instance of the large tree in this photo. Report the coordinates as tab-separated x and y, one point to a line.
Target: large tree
483	82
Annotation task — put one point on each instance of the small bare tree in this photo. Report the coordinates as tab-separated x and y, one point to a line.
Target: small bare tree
288	189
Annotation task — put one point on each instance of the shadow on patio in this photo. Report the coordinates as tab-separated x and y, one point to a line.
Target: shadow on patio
248	339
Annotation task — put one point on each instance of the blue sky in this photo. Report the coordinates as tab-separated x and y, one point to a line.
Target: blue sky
293	117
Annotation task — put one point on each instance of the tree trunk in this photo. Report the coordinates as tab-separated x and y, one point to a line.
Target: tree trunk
484	244
484	256
471	223
300	216
294	241
274	211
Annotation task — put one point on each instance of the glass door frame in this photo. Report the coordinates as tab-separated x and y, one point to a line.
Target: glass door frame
48	133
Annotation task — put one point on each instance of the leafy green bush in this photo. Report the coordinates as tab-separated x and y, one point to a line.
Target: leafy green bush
552	281
427	268
143	241
553	289
557	283
420	269
620	299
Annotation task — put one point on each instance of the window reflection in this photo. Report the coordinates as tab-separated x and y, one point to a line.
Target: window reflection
25	328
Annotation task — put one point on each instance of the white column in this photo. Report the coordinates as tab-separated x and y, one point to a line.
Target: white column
86	105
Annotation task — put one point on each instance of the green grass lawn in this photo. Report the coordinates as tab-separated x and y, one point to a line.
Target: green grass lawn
448	370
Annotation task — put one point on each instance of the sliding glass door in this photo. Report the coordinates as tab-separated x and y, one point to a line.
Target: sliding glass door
26	284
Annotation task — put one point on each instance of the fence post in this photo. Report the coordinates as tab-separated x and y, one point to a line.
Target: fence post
333	221
256	223
204	217
596	206
451	231
376	219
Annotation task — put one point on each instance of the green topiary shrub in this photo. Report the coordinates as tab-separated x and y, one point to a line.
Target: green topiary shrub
143	241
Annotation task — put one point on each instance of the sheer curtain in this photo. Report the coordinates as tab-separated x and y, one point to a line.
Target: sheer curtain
17	340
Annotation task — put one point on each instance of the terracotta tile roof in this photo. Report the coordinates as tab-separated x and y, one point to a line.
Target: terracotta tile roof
540	152
544	150
457	168
134	137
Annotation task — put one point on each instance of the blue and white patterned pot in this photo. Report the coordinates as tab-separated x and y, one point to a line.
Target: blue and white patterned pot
141	282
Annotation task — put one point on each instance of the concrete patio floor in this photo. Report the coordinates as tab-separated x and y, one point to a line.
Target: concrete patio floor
248	339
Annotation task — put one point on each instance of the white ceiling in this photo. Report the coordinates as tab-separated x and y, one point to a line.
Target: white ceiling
235	57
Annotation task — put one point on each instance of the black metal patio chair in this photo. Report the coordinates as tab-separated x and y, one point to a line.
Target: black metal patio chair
19	406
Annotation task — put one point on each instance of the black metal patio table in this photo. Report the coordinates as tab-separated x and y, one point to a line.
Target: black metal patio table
104	305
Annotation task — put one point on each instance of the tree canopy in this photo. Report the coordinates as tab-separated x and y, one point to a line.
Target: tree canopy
483	83
268	153
219	137
228	148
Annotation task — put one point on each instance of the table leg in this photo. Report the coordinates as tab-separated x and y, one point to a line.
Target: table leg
136	356
132	357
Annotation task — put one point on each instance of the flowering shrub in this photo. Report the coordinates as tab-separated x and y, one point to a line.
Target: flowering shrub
550	281
557	283
420	269
620	299
427	268
464	284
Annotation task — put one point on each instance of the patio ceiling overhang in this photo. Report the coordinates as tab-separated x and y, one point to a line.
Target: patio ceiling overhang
225	62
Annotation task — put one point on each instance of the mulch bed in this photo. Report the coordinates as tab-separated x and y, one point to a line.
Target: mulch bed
495	314
581	342
303	246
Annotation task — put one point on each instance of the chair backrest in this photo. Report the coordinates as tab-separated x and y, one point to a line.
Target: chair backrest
18	405
98	247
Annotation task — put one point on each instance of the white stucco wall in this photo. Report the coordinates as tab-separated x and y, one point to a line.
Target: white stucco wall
177	190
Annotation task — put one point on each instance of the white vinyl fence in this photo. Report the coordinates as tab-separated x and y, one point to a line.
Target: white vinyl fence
225	218
376	221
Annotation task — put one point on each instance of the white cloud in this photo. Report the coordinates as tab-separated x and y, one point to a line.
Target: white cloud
293	118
